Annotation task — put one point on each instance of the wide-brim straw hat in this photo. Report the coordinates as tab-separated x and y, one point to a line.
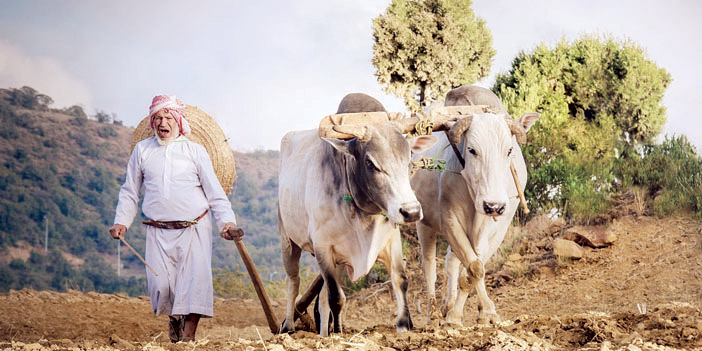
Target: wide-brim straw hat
205	131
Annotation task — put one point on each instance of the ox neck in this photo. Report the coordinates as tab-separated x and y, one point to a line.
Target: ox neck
360	199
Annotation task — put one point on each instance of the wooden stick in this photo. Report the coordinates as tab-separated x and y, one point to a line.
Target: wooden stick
309	295
257	283
137	254
525	209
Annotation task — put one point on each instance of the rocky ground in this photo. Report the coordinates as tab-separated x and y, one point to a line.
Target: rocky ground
642	290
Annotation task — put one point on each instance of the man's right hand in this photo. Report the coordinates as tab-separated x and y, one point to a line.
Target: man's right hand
118	230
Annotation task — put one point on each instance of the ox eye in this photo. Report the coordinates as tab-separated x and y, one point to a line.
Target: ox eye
371	165
509	152
472	151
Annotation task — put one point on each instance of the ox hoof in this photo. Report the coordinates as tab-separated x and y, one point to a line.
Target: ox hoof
451	324
435	323
284	329
404	324
454	319
445	309
488	318
435	314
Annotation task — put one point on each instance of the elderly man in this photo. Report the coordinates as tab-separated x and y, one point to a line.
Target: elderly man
181	189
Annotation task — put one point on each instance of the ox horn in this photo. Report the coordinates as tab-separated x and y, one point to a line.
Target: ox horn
359	132
517	129
459	128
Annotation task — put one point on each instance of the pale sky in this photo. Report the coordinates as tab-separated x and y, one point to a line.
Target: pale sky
262	68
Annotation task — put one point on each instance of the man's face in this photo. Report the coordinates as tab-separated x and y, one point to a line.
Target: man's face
165	125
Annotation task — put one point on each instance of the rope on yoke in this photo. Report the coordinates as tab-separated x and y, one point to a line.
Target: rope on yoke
430	164
423	127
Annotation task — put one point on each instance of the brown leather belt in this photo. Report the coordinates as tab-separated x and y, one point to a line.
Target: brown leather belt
174	224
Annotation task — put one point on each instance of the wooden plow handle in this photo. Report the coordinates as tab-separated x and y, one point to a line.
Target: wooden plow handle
257	283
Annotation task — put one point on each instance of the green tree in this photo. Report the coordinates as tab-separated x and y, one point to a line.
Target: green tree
424	48
29	98
77	112
103	117
597	96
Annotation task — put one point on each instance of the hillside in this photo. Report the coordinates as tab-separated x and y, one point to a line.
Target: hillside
61	171
642	293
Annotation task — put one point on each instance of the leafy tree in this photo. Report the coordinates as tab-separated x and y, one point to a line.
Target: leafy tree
424	48
77	112
597	97
29	98
103	117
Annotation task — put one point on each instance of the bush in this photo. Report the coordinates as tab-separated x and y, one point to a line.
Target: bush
596	96
237	283
671	172
586	196
377	274
107	132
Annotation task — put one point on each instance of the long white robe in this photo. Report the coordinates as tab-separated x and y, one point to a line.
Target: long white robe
180	184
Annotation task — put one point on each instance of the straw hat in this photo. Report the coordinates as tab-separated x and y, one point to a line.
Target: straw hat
205	131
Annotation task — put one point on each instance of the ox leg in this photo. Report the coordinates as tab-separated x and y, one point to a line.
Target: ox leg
427	243
332	298
465	283
475	277
462	248
453	266
391	257
486	308
291	261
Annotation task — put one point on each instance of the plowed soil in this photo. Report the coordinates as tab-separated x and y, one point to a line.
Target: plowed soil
644	292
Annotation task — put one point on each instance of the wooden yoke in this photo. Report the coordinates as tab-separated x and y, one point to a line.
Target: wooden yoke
439	118
326	126
418	124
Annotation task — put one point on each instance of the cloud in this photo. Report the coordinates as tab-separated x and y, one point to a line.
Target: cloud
46	75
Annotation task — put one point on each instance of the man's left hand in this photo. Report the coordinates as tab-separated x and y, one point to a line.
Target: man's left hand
231	232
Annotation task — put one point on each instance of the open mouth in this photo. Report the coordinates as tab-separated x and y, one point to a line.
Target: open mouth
163	132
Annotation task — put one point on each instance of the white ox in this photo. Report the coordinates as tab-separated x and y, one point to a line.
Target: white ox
341	200
472	209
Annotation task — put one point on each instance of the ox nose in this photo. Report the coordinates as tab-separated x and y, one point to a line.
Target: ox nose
493	208
411	212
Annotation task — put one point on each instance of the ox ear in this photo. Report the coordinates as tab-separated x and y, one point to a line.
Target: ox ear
528	119
421	143
340	145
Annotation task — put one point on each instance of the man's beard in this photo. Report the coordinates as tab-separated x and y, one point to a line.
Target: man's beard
163	142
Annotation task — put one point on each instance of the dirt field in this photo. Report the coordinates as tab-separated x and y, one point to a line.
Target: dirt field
642	293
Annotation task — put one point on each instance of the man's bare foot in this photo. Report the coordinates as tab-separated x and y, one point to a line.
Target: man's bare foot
191	322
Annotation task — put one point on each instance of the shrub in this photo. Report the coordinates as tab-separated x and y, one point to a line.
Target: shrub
377	274
596	96
671	172
107	132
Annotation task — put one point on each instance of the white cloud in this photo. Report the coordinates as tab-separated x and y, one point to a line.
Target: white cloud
46	75
263	68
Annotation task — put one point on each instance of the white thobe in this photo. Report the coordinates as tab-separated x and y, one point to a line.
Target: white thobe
180	184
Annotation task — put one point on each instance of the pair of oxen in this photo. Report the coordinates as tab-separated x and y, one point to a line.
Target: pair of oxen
342	199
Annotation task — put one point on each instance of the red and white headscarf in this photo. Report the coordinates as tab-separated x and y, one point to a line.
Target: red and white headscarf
172	105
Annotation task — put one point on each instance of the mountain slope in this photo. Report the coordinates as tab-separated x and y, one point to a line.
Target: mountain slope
61	171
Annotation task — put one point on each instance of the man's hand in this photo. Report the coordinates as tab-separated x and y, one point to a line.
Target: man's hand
231	232
118	230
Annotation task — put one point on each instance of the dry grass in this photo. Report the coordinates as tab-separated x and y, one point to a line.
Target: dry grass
639	200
